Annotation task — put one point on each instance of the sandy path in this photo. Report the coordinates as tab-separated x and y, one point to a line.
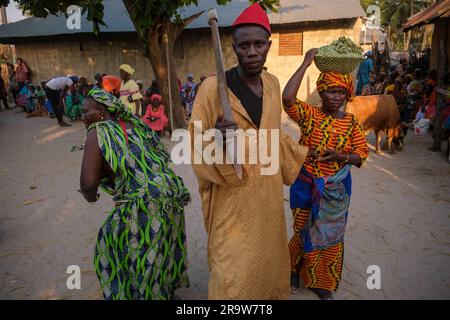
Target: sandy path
399	220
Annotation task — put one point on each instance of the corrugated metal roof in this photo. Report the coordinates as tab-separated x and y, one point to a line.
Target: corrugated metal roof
292	11
117	19
435	11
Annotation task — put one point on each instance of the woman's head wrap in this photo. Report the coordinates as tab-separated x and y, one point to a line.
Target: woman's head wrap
127	68
156	97
111	83
334	79
115	106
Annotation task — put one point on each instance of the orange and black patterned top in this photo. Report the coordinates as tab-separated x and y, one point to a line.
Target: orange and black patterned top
321	132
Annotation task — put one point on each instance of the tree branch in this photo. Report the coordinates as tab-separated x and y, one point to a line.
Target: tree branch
180	27
129	7
188	20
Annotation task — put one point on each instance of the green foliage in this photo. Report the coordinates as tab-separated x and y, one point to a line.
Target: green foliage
396	12
366	3
268	5
341	47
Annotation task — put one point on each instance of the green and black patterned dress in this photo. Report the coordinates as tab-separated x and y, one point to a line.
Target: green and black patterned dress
141	247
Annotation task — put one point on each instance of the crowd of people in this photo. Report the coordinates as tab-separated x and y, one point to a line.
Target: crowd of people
413	90
63	96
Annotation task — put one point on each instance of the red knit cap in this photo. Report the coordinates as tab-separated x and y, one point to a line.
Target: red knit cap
254	14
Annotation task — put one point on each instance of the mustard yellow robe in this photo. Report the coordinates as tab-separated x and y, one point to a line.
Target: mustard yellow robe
247	242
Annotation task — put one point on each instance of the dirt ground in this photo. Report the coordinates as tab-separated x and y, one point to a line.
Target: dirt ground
399	220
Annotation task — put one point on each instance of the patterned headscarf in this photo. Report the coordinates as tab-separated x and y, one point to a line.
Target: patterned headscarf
114	105
334	79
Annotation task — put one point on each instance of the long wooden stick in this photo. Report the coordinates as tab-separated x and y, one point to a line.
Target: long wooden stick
222	83
223	87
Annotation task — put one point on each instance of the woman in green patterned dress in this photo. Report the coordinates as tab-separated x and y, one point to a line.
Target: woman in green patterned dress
141	247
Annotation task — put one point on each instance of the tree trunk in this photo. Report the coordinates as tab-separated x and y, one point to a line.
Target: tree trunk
157	54
159	41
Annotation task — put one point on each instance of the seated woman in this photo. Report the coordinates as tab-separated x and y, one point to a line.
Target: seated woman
154	117
73	104
141	246
390	86
25	98
42	96
320	197
430	99
39	110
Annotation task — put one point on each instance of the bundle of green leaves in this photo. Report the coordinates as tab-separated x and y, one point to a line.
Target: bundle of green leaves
341	47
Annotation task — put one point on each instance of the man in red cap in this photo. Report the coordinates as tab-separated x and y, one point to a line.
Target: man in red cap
247	243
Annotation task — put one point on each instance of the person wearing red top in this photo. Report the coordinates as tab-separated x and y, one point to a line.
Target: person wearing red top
430	97
154	117
22	73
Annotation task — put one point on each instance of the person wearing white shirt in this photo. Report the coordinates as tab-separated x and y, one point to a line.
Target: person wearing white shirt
56	90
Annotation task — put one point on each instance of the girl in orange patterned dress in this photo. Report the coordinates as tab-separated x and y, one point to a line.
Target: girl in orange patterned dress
320	197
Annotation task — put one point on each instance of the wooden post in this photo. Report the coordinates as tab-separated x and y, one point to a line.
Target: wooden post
166	40
441	91
3	15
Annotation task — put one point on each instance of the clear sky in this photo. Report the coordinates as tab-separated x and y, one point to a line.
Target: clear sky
13	14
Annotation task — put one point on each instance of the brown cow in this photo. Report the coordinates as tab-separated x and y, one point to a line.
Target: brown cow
379	113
